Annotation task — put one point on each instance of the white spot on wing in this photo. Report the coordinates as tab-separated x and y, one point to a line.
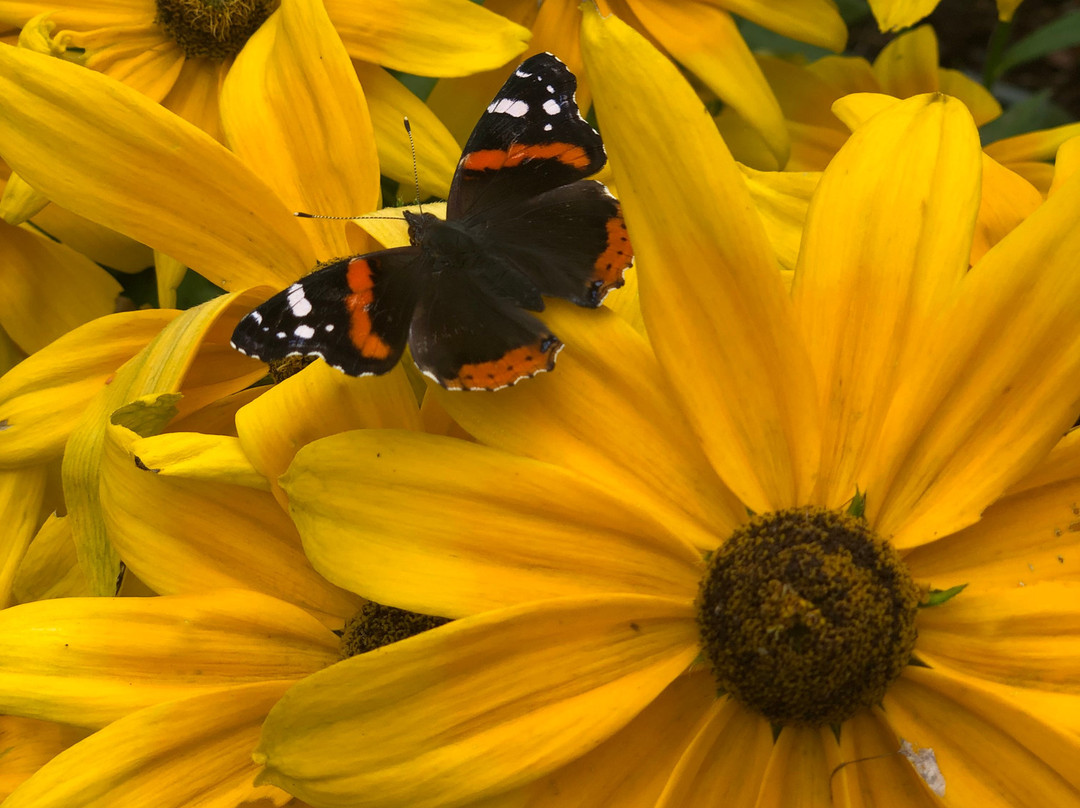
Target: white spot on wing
300	305
550	89
280	335
256	317
508	106
925	763
551	107
329	327
304	331
521	74
547	127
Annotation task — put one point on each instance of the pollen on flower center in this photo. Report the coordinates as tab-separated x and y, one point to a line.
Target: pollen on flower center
807	616
213	28
375	625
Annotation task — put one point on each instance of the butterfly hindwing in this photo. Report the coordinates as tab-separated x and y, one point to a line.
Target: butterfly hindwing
530	139
355	313
570	242
465	338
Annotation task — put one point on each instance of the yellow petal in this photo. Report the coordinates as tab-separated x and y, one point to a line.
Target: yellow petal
870	772
316	402
725	762
20	201
192	456
49	289
1021	540
1067	163
43	397
887	242
194	751
991	752
908	65
108	153
815	21
782	199
22	493
440	717
717	313
427	37
1004	370
1016	635
892	15
1007	199
168	272
307	132
169	531
494	529
196	94
984	107
28	745
437	152
704	39
50	568
164	366
606	386
219	416
89	661
799	764
101	245
1040	145
631	768
1006	9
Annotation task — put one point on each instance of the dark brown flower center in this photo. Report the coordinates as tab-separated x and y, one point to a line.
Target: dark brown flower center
807	616
214	28
376	625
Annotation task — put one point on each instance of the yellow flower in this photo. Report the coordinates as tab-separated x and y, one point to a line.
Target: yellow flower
907	66
698	34
878	409
892	15
182	53
173	690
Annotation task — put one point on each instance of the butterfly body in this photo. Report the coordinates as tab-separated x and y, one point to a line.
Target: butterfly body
522	222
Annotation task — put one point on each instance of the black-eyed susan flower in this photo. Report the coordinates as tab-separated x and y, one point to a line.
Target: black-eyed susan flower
180	53
150	699
744	561
701	35
906	66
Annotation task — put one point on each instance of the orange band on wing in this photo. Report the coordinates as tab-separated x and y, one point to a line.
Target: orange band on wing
492	159
518	364
617	256
362	285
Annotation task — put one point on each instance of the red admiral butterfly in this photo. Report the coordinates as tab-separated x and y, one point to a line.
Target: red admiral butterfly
521	222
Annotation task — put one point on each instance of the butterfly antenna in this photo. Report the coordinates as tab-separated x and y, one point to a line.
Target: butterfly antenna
415	172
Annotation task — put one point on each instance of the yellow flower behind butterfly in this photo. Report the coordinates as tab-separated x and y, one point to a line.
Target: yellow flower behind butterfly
893	15
725	564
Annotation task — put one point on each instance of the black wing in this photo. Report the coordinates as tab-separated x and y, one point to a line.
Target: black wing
531	139
354	313
466	338
571	241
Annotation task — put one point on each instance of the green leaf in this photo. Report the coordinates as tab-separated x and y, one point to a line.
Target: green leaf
1064	32
857	506
939	596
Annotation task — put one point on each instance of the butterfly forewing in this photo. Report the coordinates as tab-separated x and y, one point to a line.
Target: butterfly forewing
530	139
